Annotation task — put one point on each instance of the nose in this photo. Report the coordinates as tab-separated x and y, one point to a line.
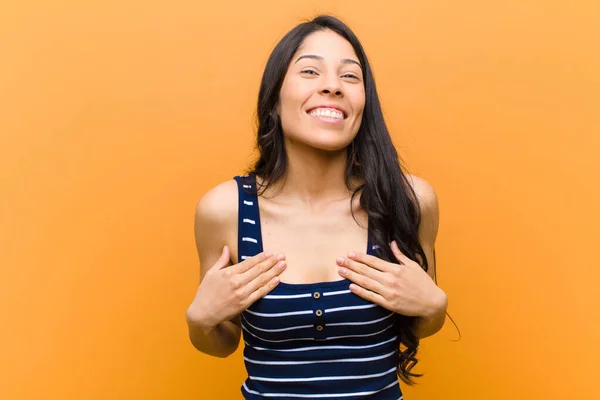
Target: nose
331	86
329	90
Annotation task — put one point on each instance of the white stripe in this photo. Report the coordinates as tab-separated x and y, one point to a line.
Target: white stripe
245	257
374	247
336	293
247	186
291	328
249	239
360	359
365	335
248	203
311	338
275	341
287	296
249	221
330	310
323	378
327	310
368	346
284	314
333	395
361	323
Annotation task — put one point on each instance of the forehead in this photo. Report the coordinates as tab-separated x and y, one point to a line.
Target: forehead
328	45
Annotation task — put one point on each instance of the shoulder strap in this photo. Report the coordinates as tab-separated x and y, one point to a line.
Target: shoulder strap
249	232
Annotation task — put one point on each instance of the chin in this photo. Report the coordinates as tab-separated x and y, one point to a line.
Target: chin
332	146
324	140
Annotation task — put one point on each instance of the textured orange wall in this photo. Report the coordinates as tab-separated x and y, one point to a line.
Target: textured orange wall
115	117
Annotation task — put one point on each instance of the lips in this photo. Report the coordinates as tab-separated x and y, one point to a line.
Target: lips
329	107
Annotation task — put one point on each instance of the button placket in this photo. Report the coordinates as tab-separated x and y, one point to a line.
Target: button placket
318	312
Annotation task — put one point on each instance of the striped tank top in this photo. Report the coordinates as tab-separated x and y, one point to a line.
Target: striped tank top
313	341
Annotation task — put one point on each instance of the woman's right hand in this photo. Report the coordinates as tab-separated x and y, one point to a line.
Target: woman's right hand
226	291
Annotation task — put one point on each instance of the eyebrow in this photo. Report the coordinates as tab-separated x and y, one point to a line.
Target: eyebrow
319	58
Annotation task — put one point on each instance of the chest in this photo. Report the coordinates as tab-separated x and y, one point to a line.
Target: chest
312	242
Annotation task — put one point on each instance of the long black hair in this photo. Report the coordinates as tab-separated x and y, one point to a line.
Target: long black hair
386	195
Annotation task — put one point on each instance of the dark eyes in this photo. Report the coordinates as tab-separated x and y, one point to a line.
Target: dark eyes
313	72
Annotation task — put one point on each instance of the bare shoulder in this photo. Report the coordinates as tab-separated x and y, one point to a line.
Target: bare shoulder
215	222
428	228
425	193
219	204
428	204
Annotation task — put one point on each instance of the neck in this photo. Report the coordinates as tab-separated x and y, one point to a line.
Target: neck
314	178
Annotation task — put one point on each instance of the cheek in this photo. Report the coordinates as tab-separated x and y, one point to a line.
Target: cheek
360	102
290	108
289	118
289	114
288	101
358	109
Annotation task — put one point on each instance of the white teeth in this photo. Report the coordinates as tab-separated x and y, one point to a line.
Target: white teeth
319	112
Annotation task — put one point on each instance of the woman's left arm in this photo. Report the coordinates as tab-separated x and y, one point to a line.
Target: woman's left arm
433	320
406	289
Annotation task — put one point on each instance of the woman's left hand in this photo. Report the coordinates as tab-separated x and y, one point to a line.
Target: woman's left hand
405	289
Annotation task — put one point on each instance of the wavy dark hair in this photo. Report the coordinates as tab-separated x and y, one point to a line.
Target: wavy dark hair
386	195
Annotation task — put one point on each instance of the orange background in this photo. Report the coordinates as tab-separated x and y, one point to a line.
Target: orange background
115	118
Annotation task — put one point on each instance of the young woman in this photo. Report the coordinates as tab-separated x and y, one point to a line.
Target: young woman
323	254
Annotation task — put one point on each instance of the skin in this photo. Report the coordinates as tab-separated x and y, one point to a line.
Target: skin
407	289
312	202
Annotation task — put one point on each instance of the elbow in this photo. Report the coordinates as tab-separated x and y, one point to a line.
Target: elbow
214	351
430	324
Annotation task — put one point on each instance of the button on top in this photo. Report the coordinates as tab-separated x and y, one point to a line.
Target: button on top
319	313
319	328
316	295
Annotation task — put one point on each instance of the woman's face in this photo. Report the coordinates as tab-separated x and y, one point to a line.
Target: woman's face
322	98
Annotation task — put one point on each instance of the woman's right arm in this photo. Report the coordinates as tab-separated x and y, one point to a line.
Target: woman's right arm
215	219
225	290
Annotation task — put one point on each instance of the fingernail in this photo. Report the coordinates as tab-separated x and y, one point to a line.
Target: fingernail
268	254
352	255
280	257
340	260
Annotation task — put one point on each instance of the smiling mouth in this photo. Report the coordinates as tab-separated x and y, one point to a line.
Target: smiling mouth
326	114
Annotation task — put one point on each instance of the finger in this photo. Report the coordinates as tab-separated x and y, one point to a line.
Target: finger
361	268
262	291
369	295
261	268
250	262
265	282
364	281
224	259
398	254
372	261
